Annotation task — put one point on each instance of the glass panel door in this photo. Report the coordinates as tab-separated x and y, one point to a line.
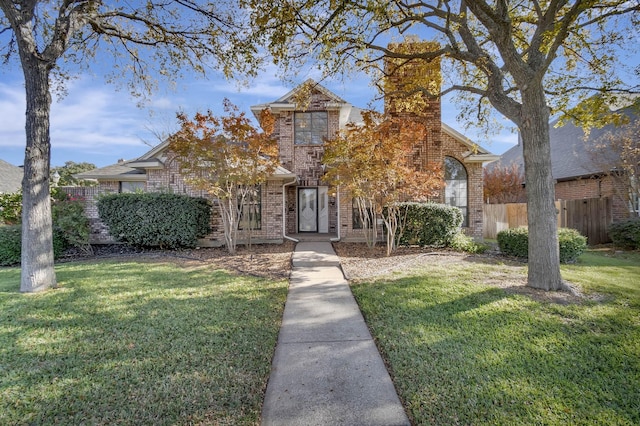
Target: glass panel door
308	210
323	209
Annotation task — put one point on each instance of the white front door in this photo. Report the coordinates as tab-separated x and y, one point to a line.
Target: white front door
308	210
323	209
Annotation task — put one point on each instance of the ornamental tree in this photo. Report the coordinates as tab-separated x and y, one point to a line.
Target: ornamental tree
228	158
503	184
523	59
374	162
55	39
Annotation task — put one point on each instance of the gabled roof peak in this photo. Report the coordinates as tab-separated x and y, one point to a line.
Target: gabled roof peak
314	85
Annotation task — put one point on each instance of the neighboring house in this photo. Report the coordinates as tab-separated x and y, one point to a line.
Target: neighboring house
10	177
296	199
579	168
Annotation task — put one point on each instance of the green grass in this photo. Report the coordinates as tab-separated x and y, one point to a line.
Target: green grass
137	343
462	352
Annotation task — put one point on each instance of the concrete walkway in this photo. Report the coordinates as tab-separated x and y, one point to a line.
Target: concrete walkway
326	369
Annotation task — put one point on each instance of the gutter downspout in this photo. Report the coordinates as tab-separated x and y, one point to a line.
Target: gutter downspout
284	210
337	238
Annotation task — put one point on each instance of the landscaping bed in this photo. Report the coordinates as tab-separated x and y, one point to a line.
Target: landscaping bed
260	260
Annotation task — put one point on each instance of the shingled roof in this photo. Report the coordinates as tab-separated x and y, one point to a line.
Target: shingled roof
10	177
571	153
119	171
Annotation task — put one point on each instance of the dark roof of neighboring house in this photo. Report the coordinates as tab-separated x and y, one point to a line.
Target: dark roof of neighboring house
118	171
10	177
572	155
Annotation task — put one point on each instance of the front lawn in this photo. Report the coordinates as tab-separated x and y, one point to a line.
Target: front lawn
137	343
464	352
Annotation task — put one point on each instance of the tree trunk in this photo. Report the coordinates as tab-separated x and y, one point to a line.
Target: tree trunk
544	256
229	223
37	238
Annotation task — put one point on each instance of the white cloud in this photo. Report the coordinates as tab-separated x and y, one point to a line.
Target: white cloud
12	110
93	119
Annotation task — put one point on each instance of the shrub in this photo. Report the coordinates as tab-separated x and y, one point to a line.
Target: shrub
462	242
626	234
572	244
515	242
10	237
11	244
11	208
70	219
429	224
155	219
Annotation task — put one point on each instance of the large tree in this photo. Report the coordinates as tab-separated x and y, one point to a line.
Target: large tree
526	59
54	39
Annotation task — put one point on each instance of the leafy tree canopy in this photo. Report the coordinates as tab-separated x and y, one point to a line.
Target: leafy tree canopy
489	50
503	184
524	59
68	171
375	162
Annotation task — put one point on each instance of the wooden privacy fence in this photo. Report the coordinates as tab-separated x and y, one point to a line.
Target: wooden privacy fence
591	217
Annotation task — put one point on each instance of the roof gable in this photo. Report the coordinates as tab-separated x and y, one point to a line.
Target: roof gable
475	153
315	86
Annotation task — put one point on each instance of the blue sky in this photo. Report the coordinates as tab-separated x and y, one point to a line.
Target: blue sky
99	124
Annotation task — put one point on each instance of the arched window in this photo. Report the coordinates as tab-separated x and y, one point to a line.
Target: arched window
455	192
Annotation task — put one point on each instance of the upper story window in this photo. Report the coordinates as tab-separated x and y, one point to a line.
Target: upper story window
311	128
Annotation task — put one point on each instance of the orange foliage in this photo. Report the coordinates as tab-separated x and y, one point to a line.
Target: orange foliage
215	152
373	161
503	184
227	157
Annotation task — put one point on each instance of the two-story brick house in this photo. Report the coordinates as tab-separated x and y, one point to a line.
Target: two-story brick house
296	200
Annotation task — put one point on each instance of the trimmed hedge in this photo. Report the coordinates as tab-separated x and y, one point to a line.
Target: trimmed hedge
572	244
430	224
155	219
515	242
11	244
626	234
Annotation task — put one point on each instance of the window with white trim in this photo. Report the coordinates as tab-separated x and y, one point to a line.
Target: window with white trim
456	187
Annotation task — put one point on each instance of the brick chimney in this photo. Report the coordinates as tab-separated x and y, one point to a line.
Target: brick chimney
413	85
412	88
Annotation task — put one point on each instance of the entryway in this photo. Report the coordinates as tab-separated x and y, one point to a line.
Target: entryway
313	210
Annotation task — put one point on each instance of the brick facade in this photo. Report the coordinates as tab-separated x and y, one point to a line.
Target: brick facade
596	187
280	195
169	179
